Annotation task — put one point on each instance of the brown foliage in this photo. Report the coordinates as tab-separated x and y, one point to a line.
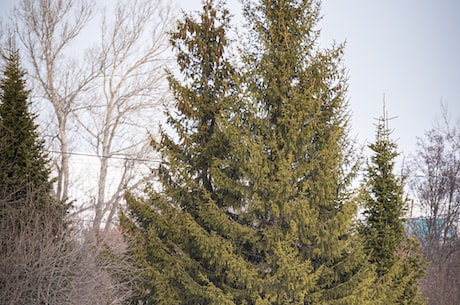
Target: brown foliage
42	265
441	284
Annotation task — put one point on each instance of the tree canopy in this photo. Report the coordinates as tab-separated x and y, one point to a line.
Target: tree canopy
254	205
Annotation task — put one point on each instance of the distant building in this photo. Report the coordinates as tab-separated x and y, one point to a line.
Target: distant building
427	229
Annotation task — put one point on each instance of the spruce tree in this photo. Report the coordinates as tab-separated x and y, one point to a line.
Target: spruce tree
394	256
31	220
24	172
254	205
298	166
185	235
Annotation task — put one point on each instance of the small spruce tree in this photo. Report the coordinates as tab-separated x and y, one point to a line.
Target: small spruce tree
394	256
24	172
32	222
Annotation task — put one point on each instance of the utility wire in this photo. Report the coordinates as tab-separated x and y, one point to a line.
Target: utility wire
118	157
126	158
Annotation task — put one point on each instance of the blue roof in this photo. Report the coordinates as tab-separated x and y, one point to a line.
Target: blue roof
424	227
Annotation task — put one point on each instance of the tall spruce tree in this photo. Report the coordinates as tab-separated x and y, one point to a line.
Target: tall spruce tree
185	236
254	206
24	174
298	165
395	257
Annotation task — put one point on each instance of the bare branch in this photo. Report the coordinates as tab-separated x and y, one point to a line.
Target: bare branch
117	113
47	30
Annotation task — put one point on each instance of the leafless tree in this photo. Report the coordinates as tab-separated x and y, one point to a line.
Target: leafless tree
42	265
441	283
103	99
434	179
48	30
123	106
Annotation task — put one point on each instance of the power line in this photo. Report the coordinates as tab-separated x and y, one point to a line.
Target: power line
126	158
116	157
422	176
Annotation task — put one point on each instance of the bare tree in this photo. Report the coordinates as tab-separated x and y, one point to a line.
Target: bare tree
105	99
116	116
434	179
441	284
47	30
42	265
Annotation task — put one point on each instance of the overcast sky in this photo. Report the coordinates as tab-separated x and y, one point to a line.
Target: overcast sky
407	50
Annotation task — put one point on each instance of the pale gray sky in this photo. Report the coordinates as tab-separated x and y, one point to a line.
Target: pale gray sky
408	50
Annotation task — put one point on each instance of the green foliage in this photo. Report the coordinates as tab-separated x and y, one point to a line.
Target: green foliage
255	204
384	202
22	161
184	236
395	257
24	172
298	158
34	250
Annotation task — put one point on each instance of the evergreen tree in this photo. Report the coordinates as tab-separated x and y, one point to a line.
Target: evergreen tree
394	256
185	235
299	194
255	206
33	249
24	172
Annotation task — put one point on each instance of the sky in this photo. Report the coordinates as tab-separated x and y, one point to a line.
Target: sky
406	52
